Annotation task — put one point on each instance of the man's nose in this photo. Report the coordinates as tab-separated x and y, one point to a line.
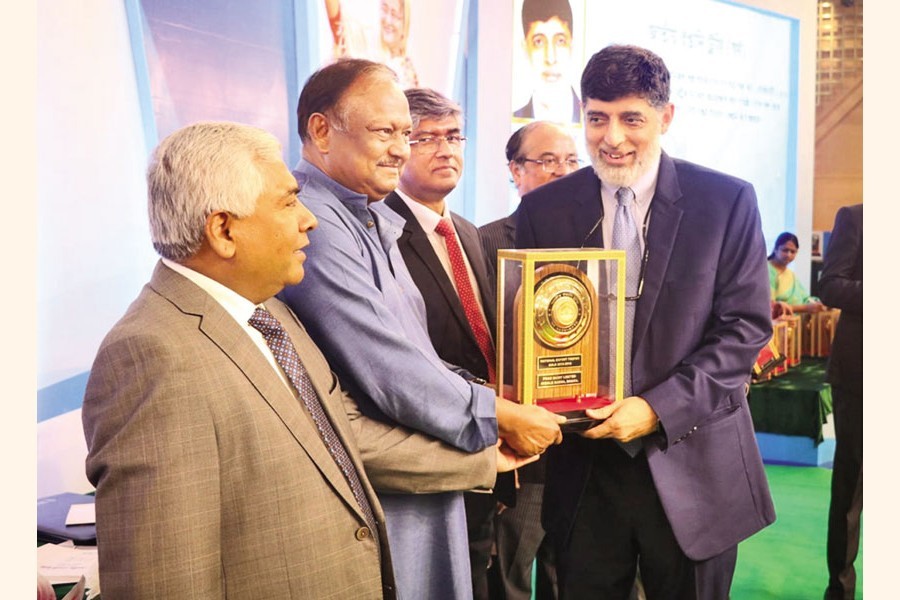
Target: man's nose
614	134
550	55
306	220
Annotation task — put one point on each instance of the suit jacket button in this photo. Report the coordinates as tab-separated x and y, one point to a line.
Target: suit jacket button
363	533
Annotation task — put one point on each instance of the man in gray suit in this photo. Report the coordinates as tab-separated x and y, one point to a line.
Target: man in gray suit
220	443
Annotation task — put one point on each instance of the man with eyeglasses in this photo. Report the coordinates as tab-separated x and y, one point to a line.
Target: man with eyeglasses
361	306
537	153
443	254
671	479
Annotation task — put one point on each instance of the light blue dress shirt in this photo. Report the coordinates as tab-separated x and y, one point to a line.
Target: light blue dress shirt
362	308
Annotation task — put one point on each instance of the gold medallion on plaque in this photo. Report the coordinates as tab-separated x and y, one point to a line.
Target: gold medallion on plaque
562	310
565	334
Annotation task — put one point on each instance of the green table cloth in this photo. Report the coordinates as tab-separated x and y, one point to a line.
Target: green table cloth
795	403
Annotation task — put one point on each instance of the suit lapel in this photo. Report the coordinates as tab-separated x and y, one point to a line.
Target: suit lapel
588	208
428	264
230	337
661	234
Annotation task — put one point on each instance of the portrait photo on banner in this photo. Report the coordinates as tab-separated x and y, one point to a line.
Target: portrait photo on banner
548	56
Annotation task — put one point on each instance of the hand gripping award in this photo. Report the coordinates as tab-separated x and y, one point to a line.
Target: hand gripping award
560	338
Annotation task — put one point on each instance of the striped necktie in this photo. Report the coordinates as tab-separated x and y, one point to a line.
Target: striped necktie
286	356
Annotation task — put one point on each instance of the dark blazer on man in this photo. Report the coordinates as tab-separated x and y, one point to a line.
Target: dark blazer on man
497	235
840	286
448	327
698	326
212	480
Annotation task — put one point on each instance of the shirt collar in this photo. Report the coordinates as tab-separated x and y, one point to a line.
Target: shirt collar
643	188
427	218
307	173
240	308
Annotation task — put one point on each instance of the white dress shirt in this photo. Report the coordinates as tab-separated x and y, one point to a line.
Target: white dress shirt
428	221
235	305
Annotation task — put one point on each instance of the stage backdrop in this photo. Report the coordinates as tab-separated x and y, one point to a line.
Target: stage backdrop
734	83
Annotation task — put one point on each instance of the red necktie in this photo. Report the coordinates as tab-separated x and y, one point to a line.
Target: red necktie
466	295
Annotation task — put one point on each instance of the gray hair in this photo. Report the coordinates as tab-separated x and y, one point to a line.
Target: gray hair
198	170
425	103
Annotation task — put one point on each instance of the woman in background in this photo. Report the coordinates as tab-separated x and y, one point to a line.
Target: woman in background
785	286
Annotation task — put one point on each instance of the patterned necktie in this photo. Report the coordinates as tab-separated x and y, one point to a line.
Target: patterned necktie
467	295
625	237
286	356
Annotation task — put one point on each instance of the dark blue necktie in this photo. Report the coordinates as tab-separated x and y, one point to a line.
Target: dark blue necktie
286	355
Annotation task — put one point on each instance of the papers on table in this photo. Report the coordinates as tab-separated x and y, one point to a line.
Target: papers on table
66	562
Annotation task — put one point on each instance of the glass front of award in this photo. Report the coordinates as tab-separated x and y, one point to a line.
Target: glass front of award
560	329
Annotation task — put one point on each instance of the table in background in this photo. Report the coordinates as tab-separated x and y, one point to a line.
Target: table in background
789	412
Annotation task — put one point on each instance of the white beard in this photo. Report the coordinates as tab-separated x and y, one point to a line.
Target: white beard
625	176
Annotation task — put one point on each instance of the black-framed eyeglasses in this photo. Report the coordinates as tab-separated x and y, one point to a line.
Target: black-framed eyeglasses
551	163
644	257
433	142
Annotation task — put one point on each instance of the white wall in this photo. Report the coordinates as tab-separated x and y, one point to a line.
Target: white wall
93	244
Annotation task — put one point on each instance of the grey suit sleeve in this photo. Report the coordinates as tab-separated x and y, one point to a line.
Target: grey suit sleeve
154	461
399	460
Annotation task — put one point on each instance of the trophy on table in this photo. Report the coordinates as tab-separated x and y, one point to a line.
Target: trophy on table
560	329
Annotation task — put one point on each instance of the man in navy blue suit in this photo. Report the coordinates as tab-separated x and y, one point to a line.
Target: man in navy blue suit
672	479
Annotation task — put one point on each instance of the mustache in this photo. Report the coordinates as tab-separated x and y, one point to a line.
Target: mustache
396	164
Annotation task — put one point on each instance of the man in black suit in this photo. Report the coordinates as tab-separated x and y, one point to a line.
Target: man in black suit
442	252
433	171
840	286
536	154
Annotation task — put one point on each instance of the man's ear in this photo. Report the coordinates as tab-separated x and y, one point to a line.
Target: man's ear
219	234
667	114
319	130
515	172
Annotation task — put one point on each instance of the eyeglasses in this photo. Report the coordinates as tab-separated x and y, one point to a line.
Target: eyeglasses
552	164
431	143
640	287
